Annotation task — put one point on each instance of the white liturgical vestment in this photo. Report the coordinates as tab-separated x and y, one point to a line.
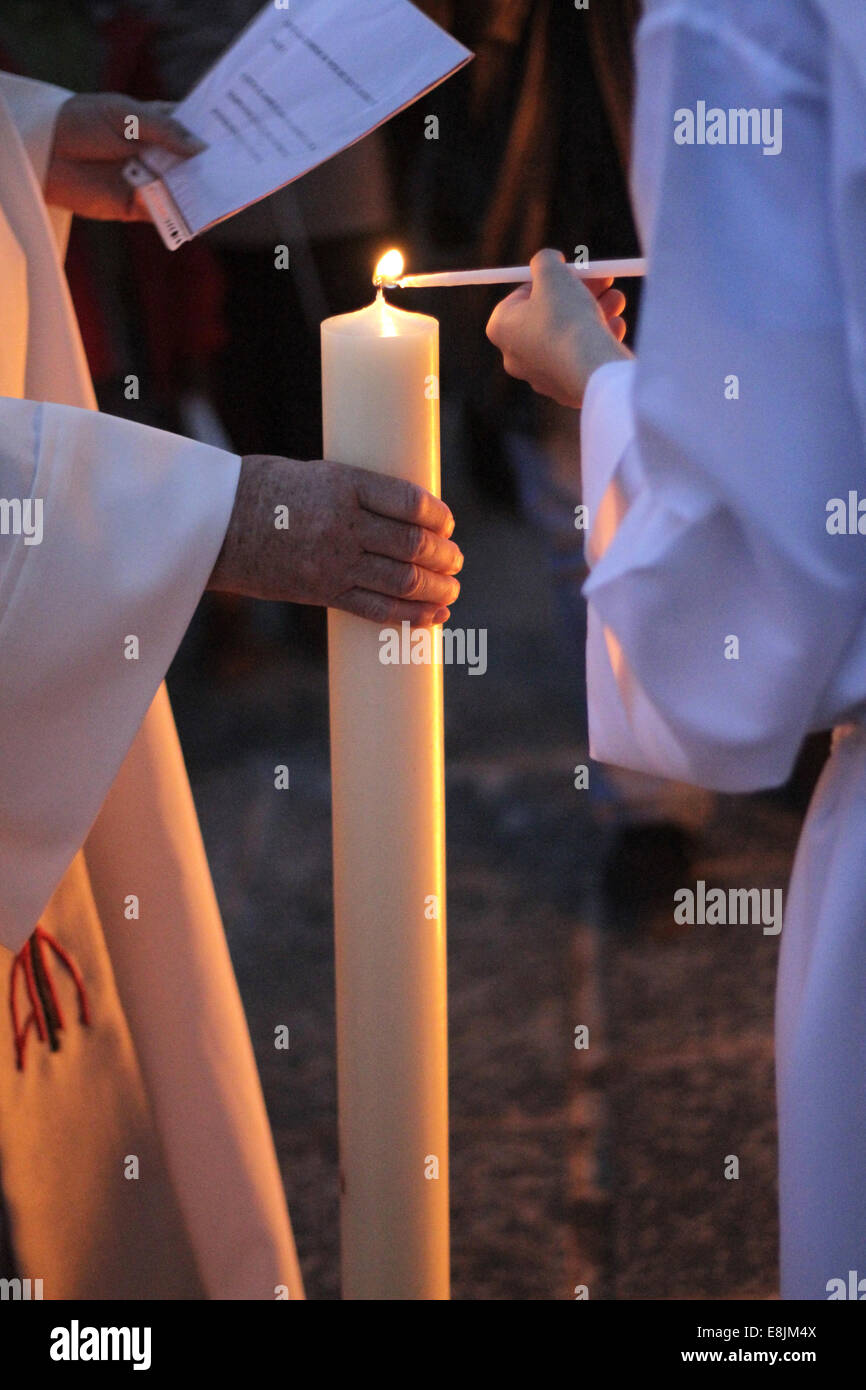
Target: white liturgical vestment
136	1159
727	602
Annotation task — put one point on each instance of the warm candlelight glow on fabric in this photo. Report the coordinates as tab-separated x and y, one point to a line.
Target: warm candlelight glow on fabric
388	269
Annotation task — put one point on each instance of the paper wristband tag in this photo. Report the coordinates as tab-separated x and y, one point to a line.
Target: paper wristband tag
159	203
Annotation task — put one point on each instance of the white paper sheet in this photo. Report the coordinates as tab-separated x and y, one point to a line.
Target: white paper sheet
300	84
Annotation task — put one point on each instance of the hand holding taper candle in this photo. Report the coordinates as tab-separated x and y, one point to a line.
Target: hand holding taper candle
556	332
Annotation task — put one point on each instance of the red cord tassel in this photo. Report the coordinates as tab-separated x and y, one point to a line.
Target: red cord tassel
45	1013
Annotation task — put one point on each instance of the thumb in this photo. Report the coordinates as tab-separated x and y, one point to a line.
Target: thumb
548	267
157	126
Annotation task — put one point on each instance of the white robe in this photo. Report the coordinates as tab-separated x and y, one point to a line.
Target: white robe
95	806
708	521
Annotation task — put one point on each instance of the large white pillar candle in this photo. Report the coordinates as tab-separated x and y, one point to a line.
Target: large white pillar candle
381	411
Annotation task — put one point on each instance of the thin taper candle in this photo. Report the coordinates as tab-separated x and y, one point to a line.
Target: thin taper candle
518	274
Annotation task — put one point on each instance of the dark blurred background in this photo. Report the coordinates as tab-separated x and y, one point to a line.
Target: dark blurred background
603	1166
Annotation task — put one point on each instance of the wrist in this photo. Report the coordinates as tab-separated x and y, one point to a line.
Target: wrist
232	562
588	353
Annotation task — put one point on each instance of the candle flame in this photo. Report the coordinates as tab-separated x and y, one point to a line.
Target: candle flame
389	269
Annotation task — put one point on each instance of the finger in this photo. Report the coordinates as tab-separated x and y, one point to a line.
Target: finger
514	366
598	284
406	581
497	323
95	189
618	328
611	303
402	500
517	296
548	267
157	126
390	612
381	536
545	263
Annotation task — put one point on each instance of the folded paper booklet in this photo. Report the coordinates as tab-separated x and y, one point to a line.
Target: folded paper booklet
304	80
